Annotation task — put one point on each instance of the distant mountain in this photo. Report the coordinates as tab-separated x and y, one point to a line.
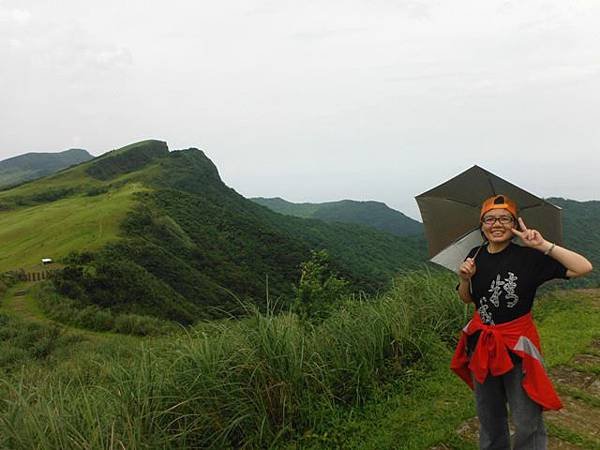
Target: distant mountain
373	214
159	233
582	234
30	166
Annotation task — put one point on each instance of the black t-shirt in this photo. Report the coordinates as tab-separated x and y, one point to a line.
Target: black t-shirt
505	283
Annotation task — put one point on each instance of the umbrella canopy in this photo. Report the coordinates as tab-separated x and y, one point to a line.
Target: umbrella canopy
450	214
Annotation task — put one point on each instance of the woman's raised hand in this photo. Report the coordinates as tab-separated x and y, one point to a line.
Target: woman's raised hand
467	269
531	238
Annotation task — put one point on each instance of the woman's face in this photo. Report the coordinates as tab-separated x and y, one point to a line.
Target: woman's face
496	224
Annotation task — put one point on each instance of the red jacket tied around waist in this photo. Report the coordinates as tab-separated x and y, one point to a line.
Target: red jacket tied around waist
491	356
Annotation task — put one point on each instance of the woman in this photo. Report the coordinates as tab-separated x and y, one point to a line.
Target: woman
499	351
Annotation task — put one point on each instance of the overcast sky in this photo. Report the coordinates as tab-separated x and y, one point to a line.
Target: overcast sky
315	100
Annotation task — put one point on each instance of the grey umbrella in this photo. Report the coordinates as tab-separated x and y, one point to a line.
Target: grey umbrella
450	214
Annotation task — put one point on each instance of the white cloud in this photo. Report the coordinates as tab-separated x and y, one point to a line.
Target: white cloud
15	43
114	56
16	16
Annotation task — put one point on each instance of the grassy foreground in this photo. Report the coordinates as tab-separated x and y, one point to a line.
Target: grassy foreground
258	382
372	375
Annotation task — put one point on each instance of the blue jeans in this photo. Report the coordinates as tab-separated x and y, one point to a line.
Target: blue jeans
491	399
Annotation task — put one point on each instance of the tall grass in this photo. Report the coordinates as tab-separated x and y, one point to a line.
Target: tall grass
253	383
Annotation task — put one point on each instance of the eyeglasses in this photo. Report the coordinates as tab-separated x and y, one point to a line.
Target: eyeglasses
491	220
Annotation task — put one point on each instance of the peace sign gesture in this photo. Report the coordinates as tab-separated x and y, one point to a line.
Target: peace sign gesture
531	238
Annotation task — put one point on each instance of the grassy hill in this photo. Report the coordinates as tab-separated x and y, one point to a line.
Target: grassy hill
30	166
64	212
169	238
55	229
374	214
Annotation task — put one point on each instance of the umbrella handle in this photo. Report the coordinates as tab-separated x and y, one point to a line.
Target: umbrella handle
474	257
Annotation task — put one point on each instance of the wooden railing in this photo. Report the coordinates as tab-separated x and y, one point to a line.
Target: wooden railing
39	275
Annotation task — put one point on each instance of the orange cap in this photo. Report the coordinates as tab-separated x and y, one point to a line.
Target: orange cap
499	202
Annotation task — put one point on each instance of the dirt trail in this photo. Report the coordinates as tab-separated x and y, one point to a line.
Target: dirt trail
17	301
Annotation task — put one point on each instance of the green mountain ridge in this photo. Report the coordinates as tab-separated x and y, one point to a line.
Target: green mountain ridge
183	245
370	213
30	166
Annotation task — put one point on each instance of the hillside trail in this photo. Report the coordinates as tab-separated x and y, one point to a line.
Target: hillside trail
577	425
18	302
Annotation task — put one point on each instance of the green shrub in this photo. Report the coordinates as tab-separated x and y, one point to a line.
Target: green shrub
92	317
108	281
97	190
23	342
319	291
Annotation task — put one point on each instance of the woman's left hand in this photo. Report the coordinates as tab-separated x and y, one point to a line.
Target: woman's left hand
531	238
